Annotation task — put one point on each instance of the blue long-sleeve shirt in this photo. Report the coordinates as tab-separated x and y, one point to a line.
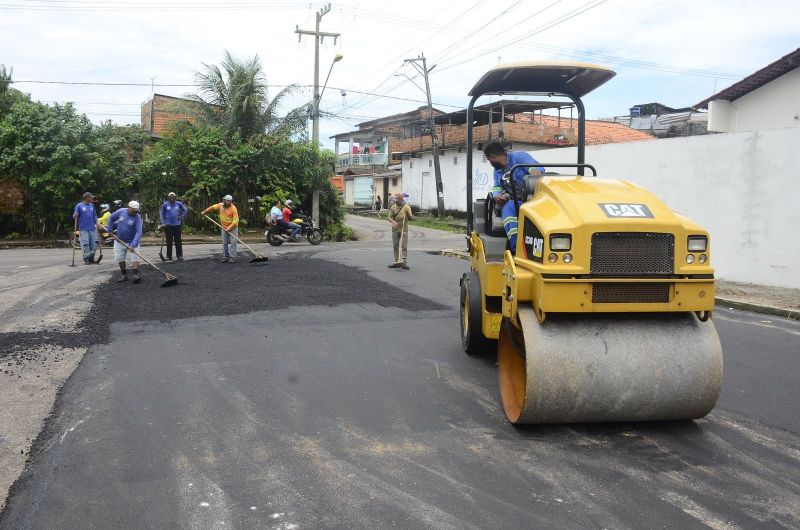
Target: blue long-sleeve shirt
172	214
129	227
515	157
87	216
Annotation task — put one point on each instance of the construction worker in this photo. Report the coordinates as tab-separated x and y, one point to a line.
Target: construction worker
172	215
102	222
399	216
129	231
86	218
229	219
502	162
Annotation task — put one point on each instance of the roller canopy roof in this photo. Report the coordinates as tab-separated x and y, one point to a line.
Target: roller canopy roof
576	79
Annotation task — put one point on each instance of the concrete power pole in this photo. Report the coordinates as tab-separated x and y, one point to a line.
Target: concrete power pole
318	36
437	170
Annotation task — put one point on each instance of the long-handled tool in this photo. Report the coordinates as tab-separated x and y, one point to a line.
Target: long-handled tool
258	257
99	244
163	229
73	238
171	279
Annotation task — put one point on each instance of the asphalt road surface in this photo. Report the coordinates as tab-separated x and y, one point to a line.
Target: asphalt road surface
323	390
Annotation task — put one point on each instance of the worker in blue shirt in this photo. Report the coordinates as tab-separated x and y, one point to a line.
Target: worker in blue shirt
502	161
129	231
172	215
86	218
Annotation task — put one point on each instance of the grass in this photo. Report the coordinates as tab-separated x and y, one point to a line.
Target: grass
448	224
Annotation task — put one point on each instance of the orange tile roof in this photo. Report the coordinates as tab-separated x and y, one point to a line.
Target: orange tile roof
597	132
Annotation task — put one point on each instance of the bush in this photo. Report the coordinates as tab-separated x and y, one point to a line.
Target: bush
339	232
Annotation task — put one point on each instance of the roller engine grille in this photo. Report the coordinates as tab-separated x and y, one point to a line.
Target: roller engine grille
630	293
632	253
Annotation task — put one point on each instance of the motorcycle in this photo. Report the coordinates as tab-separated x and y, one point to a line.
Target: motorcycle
277	235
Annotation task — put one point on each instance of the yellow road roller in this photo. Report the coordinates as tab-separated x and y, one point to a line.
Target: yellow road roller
602	311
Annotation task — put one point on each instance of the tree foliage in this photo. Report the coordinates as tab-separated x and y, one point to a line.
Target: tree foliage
234	97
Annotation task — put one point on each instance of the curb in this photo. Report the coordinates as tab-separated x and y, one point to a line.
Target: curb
735	304
759	308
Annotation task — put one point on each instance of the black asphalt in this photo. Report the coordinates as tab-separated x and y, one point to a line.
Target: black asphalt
308	393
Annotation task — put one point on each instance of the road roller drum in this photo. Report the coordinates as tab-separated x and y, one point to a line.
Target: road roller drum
608	367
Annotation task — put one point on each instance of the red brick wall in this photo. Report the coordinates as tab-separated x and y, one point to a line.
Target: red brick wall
12	197
162	115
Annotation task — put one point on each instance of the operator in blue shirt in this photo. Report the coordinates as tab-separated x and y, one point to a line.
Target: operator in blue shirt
86	218
129	231
502	161
172	215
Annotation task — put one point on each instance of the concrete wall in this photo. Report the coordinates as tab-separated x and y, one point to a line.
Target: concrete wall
744	188
772	106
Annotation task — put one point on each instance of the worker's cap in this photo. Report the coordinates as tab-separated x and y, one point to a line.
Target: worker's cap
289	202
134	205
87	195
227	198
171	194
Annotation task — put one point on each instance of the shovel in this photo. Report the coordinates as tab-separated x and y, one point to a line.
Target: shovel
73	239
161	248
99	244
170	281
258	257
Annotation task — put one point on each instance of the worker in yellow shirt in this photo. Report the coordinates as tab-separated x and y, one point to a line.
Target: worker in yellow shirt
229	219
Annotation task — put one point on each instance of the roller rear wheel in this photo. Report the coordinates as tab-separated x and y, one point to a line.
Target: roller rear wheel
472	339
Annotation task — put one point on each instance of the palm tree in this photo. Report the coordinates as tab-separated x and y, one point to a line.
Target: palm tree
235	97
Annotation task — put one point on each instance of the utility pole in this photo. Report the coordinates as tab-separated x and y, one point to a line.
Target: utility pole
318	36
437	170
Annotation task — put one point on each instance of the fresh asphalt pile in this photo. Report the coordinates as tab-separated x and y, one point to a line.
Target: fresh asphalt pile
207	287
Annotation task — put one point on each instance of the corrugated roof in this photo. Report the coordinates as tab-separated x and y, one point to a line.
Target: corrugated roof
785	64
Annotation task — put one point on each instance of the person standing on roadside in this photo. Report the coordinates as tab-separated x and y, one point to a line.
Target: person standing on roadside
86	218
129	231
399	216
173	214
229	219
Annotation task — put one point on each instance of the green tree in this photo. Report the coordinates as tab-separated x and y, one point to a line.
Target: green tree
235	98
8	95
58	154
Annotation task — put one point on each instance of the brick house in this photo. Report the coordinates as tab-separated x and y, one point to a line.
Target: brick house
157	113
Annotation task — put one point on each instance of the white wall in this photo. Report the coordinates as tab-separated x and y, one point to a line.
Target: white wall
772	106
743	188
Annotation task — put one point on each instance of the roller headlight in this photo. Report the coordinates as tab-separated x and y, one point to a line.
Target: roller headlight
689	259
703	258
560	242
697	243
552	258
567	258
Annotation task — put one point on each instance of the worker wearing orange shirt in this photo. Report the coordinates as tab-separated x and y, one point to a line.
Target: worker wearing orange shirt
229	219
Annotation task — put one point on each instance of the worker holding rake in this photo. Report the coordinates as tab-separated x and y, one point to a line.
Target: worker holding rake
399	215
129	233
229	220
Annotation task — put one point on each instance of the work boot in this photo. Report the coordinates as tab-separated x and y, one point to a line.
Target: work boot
136	277
225	259
404	266
394	266
180	258
123	277
231	260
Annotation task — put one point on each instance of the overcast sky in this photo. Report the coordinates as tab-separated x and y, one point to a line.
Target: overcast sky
676	52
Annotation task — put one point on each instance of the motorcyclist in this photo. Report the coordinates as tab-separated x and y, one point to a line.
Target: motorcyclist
287	218
102	221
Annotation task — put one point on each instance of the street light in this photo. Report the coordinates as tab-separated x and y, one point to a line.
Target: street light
336	59
412	82
315	123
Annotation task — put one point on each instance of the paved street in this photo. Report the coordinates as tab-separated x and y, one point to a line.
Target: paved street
323	390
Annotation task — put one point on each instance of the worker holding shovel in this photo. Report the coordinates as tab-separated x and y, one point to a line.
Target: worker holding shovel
229	220
129	233
399	215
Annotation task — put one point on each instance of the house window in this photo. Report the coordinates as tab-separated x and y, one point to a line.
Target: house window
394	181
411	164
430	163
455	160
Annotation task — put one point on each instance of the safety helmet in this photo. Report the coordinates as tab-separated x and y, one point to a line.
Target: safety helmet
227	198
171	194
104	208
134	205
117	203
